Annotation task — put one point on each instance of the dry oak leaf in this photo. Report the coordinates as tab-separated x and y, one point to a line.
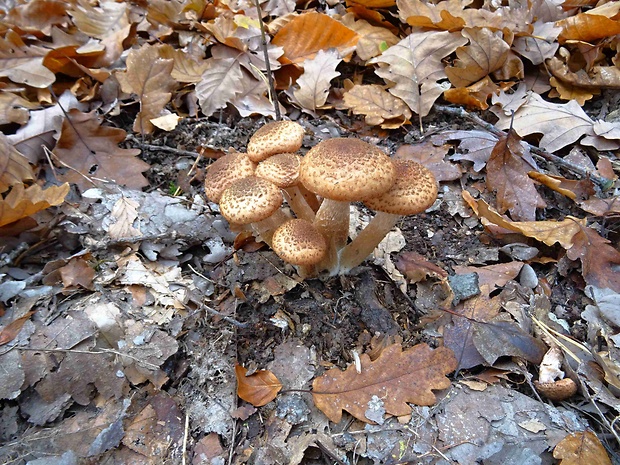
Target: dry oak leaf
22	202
259	388
314	84
23	63
475	146
377	105
573	189
91	152
487	51
396	377
187	68
540	44
12	329
597	77
148	77
218	85
14	167
600	262
567	91
507	175
37	18
413	67
579	448
308	33
15	109
548	232
432	156
100	21
373	39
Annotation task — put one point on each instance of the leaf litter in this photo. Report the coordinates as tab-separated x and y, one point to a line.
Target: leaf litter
125	311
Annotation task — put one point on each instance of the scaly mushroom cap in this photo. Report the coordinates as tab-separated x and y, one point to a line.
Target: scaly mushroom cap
347	170
414	190
224	171
273	138
298	242
557	390
281	169
250	200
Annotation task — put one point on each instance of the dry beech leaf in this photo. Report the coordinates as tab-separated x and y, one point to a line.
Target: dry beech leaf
587	27
314	83
14	167
23	63
396	377
571	188
218	85
101	21
252	98
507	175
413	67
599	260
310	32
431	156
259	388
91	151
376	104
487	51
22	202
548	232
579	448
148	77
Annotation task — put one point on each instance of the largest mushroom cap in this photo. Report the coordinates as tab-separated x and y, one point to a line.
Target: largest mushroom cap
347	170
250	200
273	138
413	192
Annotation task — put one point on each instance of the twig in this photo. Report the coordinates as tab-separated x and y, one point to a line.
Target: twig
272	87
602	182
9	257
162	148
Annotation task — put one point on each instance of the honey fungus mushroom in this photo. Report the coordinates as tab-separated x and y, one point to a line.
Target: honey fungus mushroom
414	190
343	170
273	138
256	202
224	171
299	243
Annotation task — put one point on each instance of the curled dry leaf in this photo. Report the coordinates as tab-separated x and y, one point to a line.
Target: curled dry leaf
579	448
308	33
259	388
22	202
396	377
377	105
573	189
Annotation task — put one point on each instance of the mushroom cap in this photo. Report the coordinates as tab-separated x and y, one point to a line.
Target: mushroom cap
347	170
224	171
558	390
298	242
281	169
414	190
249	200
273	138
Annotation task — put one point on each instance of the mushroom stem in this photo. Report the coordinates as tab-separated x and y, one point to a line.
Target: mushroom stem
298	203
332	220
263	230
310	197
366	241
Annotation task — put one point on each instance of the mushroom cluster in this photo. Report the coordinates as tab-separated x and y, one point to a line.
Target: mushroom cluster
318	188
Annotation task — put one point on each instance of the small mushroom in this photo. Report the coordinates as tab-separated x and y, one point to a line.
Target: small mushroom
548	384
558	390
343	170
414	190
299	243
283	170
273	138
224	171
254	201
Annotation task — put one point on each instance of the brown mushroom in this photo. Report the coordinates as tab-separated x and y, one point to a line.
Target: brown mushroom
343	170
273	138
256	202
283	170
414	190
558	390
298	242
224	171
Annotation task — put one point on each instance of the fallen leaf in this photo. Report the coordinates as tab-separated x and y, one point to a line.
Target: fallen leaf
259	388
218	85
372	39
91	152
414	66
310	32
492	276
473	96
431	156
38	18
77	273
148	77
487	51
579	448
11	330
587	28
23	63
14	167
475	146
314	83
396	377
124	211
416	267
376	104
540	45
22	202
507	175
15	109
573	189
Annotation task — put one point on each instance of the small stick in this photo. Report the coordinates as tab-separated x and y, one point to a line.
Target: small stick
602	182
272	88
